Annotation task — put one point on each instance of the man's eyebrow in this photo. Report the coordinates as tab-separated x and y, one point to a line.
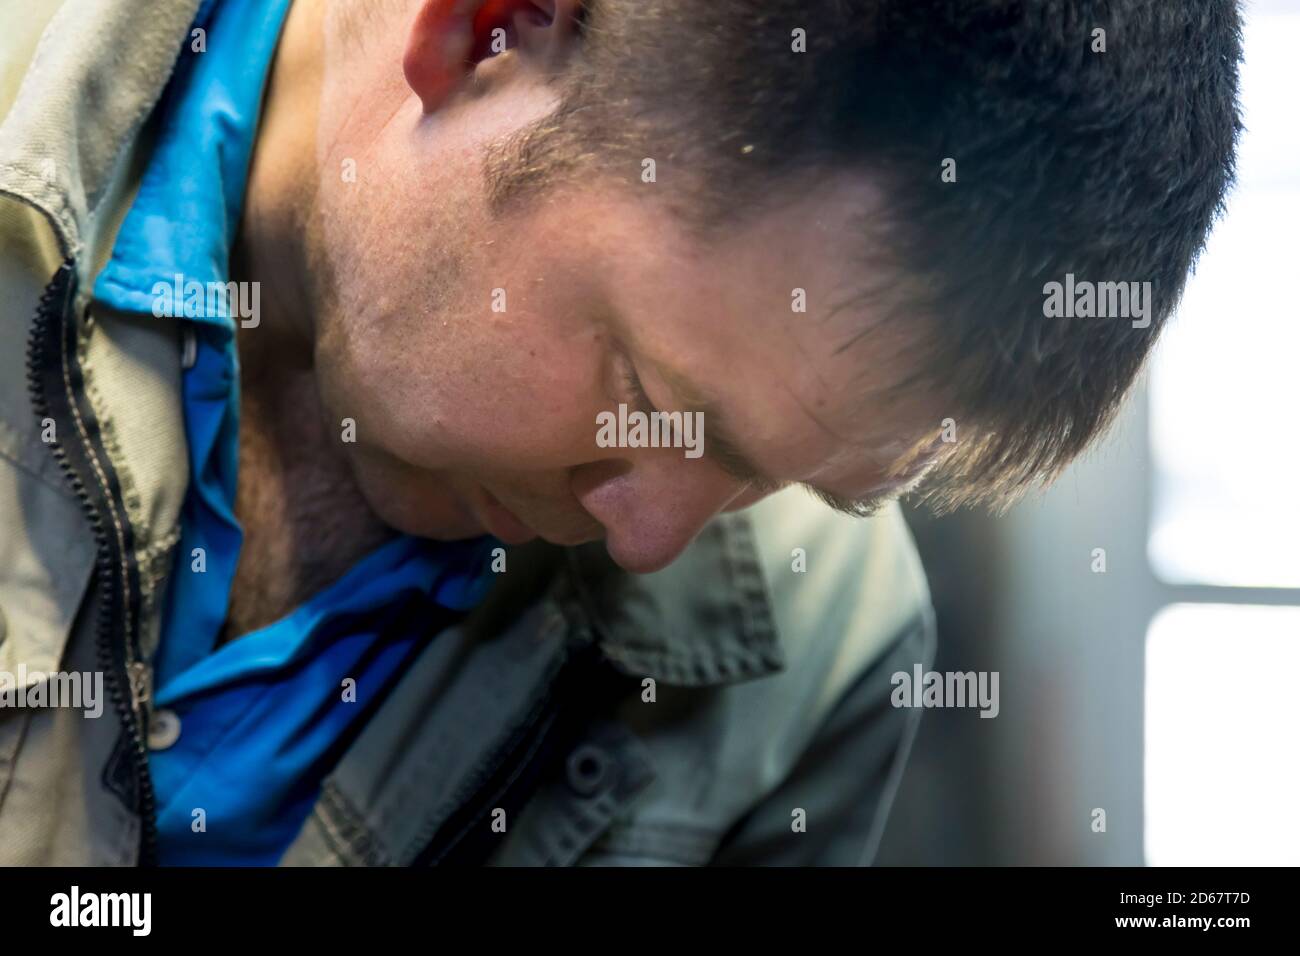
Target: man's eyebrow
722	448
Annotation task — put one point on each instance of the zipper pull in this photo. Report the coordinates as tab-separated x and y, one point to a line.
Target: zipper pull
140	677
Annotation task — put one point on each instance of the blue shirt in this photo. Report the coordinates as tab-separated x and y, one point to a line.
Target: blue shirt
263	718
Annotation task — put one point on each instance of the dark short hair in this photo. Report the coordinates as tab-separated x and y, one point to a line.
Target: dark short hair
1110	166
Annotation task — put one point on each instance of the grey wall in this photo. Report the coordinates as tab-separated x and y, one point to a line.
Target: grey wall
1017	594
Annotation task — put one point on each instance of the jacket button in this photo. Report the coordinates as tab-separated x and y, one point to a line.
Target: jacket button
164	729
587	769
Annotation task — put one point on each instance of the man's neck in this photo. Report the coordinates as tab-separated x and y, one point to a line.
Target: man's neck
271	247
305	522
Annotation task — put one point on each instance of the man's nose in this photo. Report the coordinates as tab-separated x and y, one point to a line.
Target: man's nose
653	503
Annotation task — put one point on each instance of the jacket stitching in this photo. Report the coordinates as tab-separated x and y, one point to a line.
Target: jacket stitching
101	478
43	473
346	830
678	844
756	651
49	202
24	720
125	478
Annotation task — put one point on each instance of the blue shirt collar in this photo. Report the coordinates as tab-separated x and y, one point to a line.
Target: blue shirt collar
185	216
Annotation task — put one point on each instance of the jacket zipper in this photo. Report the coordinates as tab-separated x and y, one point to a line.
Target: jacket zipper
54	380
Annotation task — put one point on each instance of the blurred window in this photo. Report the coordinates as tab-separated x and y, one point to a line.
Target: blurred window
1222	769
1222	765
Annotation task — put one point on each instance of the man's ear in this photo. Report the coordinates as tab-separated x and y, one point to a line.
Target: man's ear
449	38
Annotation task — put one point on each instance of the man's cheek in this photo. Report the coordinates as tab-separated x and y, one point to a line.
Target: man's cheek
386	409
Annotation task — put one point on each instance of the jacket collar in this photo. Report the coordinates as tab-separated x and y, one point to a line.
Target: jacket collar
406	782
665	626
59	152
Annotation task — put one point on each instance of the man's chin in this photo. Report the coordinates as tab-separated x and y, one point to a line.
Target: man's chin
443	522
502	523
471	514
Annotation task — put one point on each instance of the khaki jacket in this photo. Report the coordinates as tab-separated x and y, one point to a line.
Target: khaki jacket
729	709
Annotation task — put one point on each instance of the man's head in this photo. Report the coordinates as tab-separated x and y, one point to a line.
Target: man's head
742	207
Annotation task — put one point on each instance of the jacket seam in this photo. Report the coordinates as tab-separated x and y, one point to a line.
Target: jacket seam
92	457
677	843
57	213
147	546
49	202
713	669
748	608
47	476
6	783
346	831
751	598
